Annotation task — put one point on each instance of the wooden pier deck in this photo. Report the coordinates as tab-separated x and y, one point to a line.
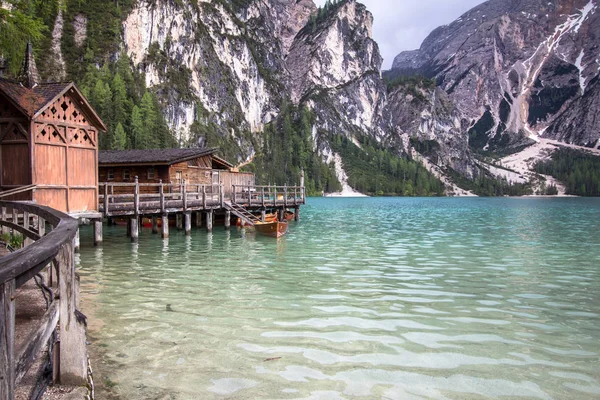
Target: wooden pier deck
134	200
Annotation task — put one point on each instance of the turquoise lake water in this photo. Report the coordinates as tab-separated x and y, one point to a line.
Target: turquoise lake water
394	298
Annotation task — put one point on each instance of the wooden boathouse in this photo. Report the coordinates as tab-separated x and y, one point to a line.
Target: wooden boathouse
48	143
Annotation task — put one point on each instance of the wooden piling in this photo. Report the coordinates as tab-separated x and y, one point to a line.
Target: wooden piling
198	219
297	213
135	233
209	220
179	221
97	232
188	223
263	215
165	226
227	219
154	224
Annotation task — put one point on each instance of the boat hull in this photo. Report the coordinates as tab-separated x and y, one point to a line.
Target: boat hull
274	229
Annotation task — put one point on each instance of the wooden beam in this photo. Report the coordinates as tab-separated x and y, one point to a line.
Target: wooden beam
97	232
73	352
165	226
7	340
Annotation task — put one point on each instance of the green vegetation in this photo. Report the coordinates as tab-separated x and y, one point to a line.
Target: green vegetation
14	240
579	171
412	84
21	21
378	171
131	112
488	186
287	148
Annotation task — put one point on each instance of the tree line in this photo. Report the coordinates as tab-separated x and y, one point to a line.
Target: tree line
375	170
577	170
286	148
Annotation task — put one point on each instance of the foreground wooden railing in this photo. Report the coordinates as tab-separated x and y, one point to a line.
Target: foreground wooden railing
164	198
55	248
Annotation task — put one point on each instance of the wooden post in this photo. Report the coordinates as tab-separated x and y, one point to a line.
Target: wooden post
15	219
184	195
165	226
41	226
73	352
4	229
209	220
188	223
106	202
227	219
204	197
263	215
135	233
154	224
76	241
161	192
295	195
26	240
297	213
221	195
7	340
198	219
136	197
97	232
179	221
285	195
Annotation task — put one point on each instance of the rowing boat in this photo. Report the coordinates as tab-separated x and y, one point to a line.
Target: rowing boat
274	229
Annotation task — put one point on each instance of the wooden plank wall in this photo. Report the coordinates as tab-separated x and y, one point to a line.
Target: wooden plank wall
15	155
65	157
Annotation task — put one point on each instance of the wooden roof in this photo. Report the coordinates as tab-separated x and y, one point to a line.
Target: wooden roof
32	102
154	156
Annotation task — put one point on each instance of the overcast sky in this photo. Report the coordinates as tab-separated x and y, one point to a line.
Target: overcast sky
403	24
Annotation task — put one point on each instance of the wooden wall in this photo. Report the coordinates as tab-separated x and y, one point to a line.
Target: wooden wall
65	167
15	154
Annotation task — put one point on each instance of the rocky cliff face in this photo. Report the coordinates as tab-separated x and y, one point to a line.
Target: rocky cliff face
335	69
517	70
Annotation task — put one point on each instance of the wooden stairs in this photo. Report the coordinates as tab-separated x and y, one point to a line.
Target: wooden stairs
242	213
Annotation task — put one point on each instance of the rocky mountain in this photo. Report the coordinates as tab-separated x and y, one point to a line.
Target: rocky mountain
239	73
518	70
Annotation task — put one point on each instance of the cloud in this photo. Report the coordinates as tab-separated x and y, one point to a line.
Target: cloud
403	25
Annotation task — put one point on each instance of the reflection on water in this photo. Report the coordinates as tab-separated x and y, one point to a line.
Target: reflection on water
372	298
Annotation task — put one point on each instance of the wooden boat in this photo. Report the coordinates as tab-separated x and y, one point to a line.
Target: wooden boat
268	218
274	229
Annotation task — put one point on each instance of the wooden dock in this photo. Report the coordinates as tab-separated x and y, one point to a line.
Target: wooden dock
136	200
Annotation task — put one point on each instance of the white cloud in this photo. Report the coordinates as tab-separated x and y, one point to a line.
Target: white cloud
403	25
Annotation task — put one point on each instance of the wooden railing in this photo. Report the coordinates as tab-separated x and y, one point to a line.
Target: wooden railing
54	249
165	198
252	195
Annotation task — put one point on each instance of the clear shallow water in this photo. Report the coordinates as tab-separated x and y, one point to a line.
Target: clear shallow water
364	298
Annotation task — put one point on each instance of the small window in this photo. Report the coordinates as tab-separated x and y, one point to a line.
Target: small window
178	176
110	175
151	173
126	175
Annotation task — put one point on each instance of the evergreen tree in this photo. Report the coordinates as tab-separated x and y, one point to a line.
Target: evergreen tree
139	140
119	139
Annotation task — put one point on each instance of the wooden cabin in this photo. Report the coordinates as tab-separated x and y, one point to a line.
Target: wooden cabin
48	138
195	166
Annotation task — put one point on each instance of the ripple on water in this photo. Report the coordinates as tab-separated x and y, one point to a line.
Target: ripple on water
391	298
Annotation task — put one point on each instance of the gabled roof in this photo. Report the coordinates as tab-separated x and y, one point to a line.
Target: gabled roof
155	156
32	102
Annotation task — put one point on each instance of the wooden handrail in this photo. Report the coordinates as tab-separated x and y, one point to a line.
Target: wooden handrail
18	190
55	248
